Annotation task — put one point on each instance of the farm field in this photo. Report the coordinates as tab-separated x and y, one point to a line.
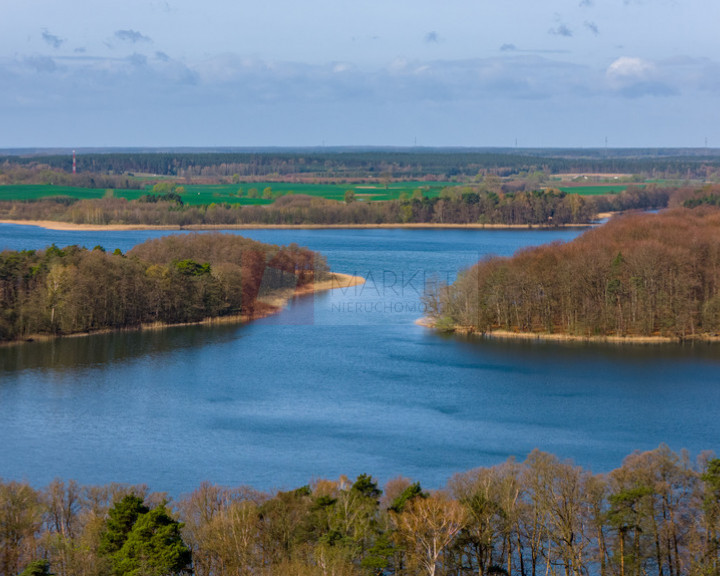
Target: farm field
25	192
596	190
233	193
203	194
195	194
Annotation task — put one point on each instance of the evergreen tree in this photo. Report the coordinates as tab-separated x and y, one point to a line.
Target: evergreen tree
143	542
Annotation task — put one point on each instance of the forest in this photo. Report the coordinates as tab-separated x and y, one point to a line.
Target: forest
657	514
638	275
171	280
357	163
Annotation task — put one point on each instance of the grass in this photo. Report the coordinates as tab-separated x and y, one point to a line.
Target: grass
21	192
196	194
597	190
368	192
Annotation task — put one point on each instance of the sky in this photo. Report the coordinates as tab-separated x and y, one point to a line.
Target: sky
507	73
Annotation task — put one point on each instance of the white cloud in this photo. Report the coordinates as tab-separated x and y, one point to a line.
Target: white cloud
157	86
626	67
635	77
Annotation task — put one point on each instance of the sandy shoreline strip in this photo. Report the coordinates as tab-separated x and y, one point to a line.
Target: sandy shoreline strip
69	226
509	335
332	282
548	337
272	306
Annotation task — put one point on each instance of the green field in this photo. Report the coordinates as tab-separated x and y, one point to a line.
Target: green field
597	190
37	191
196	194
232	193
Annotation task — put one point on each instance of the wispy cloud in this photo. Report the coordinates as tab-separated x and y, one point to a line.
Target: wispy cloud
227	80
592	27
52	39
138	60
40	64
161	6
508	48
561	30
131	36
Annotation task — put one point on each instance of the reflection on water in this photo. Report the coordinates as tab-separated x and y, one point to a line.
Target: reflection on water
72	353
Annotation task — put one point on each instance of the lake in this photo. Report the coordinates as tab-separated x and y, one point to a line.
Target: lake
341	382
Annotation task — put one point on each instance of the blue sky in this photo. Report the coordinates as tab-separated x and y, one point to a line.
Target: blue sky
370	72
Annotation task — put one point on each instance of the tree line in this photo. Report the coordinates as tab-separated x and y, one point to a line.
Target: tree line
659	513
175	279
13	173
638	275
458	205
487	202
399	163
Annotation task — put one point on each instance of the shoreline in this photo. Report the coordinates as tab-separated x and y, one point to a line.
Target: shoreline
272	305
558	337
69	226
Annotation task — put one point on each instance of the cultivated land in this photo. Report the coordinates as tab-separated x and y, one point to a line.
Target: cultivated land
346	186
204	194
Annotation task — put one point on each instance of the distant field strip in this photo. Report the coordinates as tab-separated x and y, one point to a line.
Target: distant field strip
597	190
233	193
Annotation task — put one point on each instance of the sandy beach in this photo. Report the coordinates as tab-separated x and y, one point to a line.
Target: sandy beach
332	282
548	337
69	226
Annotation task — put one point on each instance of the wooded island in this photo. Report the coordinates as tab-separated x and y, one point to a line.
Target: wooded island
638	276
172	280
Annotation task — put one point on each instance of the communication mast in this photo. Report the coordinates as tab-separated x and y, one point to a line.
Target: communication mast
74	164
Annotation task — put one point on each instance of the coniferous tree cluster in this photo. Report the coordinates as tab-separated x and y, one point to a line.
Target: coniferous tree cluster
659	513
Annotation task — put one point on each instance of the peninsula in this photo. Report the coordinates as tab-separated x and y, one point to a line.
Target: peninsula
179	279
641	278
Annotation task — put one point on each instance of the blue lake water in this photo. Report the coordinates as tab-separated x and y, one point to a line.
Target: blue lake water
342	382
